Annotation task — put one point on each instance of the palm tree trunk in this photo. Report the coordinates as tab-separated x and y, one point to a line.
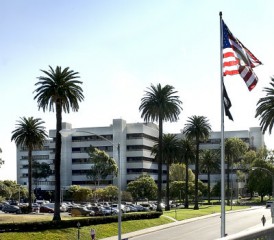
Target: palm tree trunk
196	206
167	208
208	186
57	162
160	166
30	179
186	191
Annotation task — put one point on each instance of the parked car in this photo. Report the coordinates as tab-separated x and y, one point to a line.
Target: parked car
268	204
111	211
46	209
81	211
149	206
11	209
132	208
35	207
63	207
140	208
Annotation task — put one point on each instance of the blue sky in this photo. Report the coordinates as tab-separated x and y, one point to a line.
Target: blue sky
119	49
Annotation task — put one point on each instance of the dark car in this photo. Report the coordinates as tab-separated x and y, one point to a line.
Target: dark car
11	209
81	211
46	209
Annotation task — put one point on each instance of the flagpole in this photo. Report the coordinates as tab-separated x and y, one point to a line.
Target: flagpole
222	134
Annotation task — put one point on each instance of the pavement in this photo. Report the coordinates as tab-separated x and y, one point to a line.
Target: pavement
127	236
156	228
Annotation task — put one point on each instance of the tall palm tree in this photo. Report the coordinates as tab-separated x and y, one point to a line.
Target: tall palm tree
265	108
187	154
58	90
170	153
198	129
160	104
210	163
29	133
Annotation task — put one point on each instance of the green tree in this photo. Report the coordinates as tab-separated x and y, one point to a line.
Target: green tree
40	170
265	108
170	154
187	151
260	179
102	165
216	190
210	163
29	134
1	160
5	191
160	104
198	129
111	192
177	190
235	149
80	194
143	187
60	90
177	172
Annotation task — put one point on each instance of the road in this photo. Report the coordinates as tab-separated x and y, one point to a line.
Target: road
210	228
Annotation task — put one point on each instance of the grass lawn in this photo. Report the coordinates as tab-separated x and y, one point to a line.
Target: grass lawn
182	214
103	230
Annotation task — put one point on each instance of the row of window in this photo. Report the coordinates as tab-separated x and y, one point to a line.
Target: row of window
85	149
141	136
103	182
110	148
129	160
44	148
140	159
110	137
92	138
143	170
138	148
36	157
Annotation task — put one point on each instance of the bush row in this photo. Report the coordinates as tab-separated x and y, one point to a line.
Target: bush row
45	225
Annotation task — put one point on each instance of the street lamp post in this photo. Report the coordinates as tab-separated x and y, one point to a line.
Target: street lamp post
67	132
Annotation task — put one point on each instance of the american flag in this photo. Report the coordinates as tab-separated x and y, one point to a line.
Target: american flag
237	59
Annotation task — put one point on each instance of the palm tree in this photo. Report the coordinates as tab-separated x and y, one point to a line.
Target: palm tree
170	153
187	154
160	104
58	90
265	108
210	163
29	133
198	129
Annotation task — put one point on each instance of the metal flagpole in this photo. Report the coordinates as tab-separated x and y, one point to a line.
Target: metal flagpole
222	134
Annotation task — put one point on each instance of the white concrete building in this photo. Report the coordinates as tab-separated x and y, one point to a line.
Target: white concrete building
136	141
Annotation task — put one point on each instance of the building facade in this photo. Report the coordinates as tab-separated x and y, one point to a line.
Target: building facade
135	140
